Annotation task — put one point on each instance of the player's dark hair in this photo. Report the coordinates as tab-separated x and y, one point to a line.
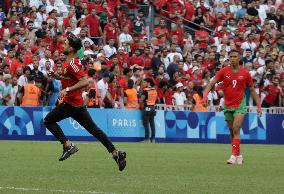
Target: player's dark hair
233	51
74	42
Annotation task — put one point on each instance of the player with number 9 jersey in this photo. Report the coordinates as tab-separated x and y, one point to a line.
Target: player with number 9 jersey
235	80
234	85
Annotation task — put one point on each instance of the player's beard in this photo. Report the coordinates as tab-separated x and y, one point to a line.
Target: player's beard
235	62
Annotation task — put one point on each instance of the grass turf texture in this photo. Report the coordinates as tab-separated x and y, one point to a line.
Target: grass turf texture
152	168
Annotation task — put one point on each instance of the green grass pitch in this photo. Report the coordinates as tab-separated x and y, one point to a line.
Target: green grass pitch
33	167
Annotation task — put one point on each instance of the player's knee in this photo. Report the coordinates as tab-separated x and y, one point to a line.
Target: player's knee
237	126
236	131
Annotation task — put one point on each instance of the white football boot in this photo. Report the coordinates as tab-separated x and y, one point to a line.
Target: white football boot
240	160
232	160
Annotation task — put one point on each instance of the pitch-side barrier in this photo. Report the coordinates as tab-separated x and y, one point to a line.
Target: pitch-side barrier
173	124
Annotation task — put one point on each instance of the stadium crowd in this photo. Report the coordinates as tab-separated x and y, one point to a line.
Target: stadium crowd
188	44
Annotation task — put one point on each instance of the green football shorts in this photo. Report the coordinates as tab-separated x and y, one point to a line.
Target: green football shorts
231	112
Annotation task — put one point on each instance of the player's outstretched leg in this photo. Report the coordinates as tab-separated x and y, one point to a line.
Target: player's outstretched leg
83	117
57	114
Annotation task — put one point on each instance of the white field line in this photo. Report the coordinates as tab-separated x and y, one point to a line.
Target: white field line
51	190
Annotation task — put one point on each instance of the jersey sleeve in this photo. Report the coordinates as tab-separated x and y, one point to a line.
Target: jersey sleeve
219	75
75	69
249	81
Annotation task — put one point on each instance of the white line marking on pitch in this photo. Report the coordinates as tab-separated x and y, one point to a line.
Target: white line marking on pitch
52	190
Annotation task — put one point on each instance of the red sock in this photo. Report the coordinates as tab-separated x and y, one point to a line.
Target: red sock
236	147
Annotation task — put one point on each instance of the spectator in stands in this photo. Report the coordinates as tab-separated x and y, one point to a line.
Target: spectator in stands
41	14
136	58
176	10
6	90
38	75
104	90
111	30
140	23
164	57
273	92
23	79
249	44
213	97
173	67
234	24
12	61
241	12
95	30
248	58
110	48
161	32
125	39
6	69
3	50
53	88
179	97
172	52
47	69
57	5
42	62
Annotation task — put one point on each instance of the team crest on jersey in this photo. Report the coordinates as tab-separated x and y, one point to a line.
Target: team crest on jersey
64	71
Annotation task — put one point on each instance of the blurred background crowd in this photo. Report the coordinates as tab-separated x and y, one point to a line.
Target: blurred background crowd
179	44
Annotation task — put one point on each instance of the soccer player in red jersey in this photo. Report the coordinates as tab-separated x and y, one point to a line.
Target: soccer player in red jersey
73	80
235	79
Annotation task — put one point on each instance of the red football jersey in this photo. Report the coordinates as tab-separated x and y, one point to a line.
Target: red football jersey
273	94
234	85
111	31
71	73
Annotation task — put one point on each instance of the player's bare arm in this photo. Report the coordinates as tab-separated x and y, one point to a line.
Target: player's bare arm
256	99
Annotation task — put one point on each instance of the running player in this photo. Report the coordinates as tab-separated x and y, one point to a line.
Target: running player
235	79
73	80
